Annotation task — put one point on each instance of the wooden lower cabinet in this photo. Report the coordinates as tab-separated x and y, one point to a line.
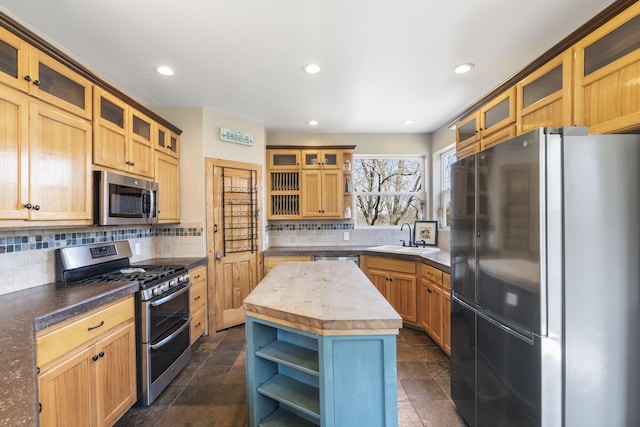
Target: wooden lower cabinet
446	313
198	302
396	281
92	384
435	305
272	261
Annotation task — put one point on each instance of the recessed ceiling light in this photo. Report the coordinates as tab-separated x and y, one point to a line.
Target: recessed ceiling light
165	70
408	122
463	68
312	123
312	69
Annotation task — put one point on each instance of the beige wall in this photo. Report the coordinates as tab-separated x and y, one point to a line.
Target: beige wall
366	143
199	140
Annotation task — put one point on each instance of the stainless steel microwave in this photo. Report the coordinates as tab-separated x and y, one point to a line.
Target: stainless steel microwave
122	200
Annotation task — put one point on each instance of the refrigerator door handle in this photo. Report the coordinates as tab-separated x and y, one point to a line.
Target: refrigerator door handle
462	302
526	337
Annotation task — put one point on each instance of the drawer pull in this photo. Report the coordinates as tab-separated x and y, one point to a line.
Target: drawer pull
197	298
91	328
197	325
197	277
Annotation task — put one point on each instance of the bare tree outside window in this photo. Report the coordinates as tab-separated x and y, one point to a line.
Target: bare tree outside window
388	191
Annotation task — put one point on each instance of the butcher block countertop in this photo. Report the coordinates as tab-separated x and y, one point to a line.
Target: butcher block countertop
324	297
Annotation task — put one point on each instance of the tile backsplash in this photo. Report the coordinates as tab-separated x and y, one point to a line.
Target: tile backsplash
27	257
295	233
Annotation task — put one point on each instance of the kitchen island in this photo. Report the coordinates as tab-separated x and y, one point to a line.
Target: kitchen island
321	348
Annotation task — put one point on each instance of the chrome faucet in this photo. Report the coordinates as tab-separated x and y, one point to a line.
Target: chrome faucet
410	236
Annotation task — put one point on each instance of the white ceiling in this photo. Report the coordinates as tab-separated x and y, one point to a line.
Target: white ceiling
382	61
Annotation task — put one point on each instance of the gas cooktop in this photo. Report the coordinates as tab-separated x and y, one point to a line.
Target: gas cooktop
143	274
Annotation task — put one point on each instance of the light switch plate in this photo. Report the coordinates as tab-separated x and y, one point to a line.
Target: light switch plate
346	235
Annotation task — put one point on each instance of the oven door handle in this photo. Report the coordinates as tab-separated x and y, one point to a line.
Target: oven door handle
170	297
173	335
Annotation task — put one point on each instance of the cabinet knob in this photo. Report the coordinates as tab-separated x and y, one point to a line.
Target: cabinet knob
27	78
170	147
36	82
95	358
101	354
28	206
36	207
133	163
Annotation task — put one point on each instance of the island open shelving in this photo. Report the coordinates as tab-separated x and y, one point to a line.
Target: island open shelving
313	357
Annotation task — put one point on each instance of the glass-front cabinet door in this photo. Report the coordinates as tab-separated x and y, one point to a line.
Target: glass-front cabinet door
53	82
13	60
321	159
283	159
168	141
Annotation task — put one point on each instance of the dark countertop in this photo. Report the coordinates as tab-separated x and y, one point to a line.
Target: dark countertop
439	259
25	312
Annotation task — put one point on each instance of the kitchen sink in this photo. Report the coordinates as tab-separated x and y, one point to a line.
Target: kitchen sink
397	249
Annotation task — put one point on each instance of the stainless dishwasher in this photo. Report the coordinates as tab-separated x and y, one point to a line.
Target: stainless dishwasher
354	258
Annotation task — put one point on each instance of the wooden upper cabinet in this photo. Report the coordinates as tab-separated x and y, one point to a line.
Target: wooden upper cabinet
283	159
468	130
167	141
59	165
14	60
54	83
493	123
141	141
123	137
321	194
14	154
110	131
167	175
321	159
607	87
545	96
24	67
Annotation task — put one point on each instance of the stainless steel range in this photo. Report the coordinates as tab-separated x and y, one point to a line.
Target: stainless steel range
162	307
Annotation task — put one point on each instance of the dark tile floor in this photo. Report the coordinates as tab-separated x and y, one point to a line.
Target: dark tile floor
210	391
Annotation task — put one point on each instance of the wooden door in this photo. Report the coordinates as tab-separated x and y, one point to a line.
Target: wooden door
380	280
110	146
116	374
168	178
233	239
66	393
310	193
14	152
435	312
60	165
332	192
402	295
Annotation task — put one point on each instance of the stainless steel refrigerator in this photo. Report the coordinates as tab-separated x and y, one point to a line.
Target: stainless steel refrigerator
545	263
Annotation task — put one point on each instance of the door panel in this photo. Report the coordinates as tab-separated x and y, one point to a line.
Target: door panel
233	239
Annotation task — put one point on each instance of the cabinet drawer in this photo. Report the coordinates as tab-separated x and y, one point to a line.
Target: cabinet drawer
198	274
198	294
432	273
198	323
446	281
58	340
391	264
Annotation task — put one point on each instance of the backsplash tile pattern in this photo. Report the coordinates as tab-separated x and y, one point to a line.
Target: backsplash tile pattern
285	234
27	257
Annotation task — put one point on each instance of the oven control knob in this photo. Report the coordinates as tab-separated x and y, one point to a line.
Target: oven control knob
156	291
173	283
164	287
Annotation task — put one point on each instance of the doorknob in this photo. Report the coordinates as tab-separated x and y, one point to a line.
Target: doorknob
218	256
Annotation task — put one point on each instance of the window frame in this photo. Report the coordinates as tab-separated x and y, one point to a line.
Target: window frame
422	194
443	190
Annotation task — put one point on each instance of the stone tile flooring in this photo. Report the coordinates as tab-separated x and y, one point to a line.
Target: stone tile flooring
210	391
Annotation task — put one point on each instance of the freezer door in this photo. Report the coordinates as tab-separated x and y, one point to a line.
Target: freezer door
508	377
508	231
463	210
463	360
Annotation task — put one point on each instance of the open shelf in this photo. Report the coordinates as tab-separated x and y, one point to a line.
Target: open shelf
300	396
291	355
284	418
